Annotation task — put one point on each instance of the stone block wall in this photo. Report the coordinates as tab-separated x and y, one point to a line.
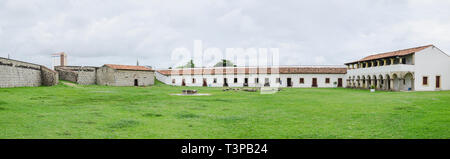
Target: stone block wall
15	73
127	78
78	74
49	77
67	75
87	77
110	77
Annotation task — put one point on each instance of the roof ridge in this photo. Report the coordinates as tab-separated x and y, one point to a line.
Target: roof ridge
425	46
401	52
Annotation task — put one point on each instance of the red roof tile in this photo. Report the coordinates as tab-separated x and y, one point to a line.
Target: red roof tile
393	53
128	67
281	70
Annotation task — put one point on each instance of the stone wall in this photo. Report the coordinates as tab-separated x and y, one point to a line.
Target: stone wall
15	73
105	76
67	75
127	78
110	77
87	77
49	77
84	75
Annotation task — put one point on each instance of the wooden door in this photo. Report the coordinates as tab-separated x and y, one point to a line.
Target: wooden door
339	82
314	82
204	82
438	81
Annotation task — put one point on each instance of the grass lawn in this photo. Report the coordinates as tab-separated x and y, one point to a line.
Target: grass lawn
151	112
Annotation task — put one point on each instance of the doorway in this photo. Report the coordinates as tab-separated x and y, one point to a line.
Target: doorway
204	82
183	82
438	81
245	82
225	82
339	82
289	82
314	82
136	83
266	82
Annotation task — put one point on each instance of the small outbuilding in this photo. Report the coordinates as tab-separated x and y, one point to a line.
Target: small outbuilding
125	75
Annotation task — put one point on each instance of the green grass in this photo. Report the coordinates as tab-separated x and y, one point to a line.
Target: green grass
151	112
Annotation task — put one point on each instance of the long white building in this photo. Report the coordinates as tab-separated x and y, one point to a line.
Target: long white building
424	68
255	77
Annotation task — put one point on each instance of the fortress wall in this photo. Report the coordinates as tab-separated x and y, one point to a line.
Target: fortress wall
19	74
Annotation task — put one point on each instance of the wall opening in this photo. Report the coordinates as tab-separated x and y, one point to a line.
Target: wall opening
204	82
225	82
339	82
314	82
245	82
289	82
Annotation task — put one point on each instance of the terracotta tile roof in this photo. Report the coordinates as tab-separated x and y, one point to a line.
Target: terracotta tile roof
282	70
393	53
128	67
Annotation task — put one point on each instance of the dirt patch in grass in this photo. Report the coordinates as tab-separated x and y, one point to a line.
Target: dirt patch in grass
65	133
124	123
186	115
37	98
216	100
151	115
405	108
98	114
85	122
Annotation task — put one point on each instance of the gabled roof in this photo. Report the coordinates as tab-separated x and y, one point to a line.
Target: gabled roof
234	70
393	53
128	67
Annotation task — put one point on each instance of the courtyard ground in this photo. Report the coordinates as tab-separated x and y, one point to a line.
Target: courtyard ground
65	111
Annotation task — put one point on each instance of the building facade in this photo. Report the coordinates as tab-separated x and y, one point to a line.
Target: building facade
255	77
125	75
424	68
109	74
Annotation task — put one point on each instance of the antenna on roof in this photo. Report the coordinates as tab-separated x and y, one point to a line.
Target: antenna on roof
137	62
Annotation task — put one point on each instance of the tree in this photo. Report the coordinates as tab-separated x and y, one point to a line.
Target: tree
190	64
225	63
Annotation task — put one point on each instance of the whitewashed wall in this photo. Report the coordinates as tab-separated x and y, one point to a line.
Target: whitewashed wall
252	78
432	62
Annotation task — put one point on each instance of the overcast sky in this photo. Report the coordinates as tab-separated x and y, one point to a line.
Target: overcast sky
96	32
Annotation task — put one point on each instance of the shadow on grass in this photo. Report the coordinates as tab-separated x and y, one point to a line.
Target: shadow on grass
186	115
151	115
124	123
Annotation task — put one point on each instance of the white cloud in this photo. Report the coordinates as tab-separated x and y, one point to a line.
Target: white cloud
94	32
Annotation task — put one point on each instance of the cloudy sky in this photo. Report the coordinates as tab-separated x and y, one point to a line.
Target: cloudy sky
95	32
